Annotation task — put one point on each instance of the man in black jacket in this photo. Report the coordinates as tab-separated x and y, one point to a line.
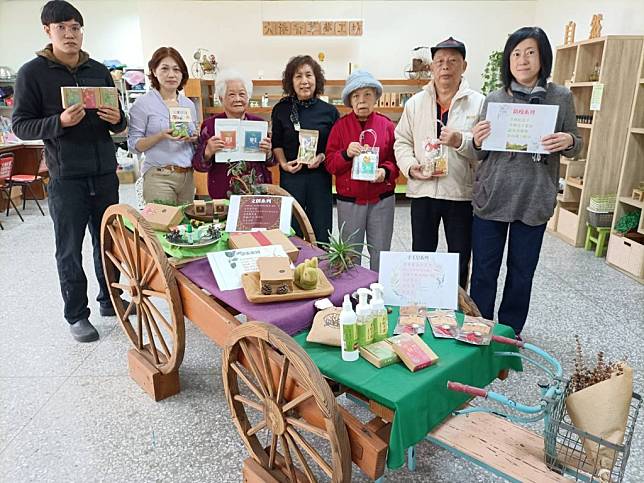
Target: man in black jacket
79	152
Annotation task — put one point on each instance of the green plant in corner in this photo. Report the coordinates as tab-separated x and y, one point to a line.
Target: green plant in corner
341	255
628	222
492	73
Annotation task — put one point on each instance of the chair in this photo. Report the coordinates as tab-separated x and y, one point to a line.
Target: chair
298	212
6	168
26	181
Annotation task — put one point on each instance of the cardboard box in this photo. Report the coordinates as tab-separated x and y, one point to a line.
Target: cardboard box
162	217
263	238
414	353
275	275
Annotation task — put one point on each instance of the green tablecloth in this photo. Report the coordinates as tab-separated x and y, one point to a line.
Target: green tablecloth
420	400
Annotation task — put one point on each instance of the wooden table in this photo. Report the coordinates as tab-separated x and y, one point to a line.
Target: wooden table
27	156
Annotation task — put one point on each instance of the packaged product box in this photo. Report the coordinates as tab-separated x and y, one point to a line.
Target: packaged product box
263	238
414	353
380	354
162	217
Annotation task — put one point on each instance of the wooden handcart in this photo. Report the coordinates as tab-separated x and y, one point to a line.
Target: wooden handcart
270	382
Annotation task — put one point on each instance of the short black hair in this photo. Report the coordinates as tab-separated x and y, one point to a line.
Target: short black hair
295	63
545	53
57	11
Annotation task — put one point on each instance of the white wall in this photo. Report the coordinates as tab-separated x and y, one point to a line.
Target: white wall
621	17
111	31
132	30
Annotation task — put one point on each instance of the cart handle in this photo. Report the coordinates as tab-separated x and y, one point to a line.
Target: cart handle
506	340
471	390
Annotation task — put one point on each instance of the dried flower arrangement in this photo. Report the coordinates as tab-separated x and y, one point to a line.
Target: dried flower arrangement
586	376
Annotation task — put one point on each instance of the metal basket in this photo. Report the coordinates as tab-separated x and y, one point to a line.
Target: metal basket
599	219
564	450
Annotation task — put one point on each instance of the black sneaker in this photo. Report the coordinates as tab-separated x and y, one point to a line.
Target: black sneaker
83	331
108	310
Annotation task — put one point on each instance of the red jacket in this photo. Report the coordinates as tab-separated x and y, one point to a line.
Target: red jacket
346	130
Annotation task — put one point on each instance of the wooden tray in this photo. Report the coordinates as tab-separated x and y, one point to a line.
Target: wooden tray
250	282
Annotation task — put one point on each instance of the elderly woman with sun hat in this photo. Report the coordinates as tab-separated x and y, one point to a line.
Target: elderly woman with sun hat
364	206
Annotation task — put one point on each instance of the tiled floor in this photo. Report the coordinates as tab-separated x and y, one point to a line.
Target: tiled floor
69	412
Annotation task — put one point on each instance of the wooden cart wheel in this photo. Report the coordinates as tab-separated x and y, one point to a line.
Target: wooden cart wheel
136	266
290	403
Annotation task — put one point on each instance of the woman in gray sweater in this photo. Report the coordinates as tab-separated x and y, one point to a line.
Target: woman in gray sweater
515	191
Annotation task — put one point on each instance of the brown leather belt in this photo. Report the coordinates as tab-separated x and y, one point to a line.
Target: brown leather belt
176	169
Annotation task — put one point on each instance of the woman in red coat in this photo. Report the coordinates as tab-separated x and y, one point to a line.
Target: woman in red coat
364	207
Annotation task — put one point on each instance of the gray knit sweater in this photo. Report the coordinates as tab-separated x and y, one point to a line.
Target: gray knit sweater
511	186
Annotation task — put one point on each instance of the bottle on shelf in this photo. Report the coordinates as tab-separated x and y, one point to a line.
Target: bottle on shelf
265	100
364	319
379	313
349	331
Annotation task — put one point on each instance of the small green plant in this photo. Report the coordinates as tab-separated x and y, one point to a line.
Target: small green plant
340	253
492	73
243	181
628	222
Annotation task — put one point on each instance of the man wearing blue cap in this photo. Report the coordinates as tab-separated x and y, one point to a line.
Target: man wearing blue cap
445	109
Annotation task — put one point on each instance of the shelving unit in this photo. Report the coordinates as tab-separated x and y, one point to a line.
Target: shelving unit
615	60
626	252
202	93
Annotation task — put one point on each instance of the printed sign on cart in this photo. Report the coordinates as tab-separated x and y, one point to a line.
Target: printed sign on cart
420	278
519	127
228	266
259	212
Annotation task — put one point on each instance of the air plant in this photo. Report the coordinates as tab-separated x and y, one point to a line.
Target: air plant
341	253
242	181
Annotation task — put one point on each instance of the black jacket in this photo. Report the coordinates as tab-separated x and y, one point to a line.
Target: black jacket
85	149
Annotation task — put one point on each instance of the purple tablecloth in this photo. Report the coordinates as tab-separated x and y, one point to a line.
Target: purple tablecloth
291	317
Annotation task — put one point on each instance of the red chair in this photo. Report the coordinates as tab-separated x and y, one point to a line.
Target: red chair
6	168
26	181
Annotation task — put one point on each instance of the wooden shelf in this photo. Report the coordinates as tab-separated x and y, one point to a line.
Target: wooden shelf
637	130
582	84
616	58
574	184
632	202
268	110
568	161
641	81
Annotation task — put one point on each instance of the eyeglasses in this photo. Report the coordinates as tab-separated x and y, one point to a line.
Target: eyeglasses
61	29
451	61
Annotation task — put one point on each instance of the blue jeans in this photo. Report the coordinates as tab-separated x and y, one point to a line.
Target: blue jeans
488	243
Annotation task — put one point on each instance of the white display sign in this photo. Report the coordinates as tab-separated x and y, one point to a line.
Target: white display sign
241	140
228	266
420	278
248	213
519	127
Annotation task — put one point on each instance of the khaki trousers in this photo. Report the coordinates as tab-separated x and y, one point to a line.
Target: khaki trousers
164	185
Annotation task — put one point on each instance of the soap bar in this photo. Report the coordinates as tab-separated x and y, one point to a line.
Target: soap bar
380	354
414	353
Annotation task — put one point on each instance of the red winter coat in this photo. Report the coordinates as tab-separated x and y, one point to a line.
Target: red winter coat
346	130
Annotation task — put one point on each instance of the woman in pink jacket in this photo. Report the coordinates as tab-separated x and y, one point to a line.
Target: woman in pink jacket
364	207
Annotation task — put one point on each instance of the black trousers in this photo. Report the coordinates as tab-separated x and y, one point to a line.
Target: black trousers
426	215
524	246
74	205
312	190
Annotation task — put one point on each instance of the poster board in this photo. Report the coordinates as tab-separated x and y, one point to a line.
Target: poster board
420	278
